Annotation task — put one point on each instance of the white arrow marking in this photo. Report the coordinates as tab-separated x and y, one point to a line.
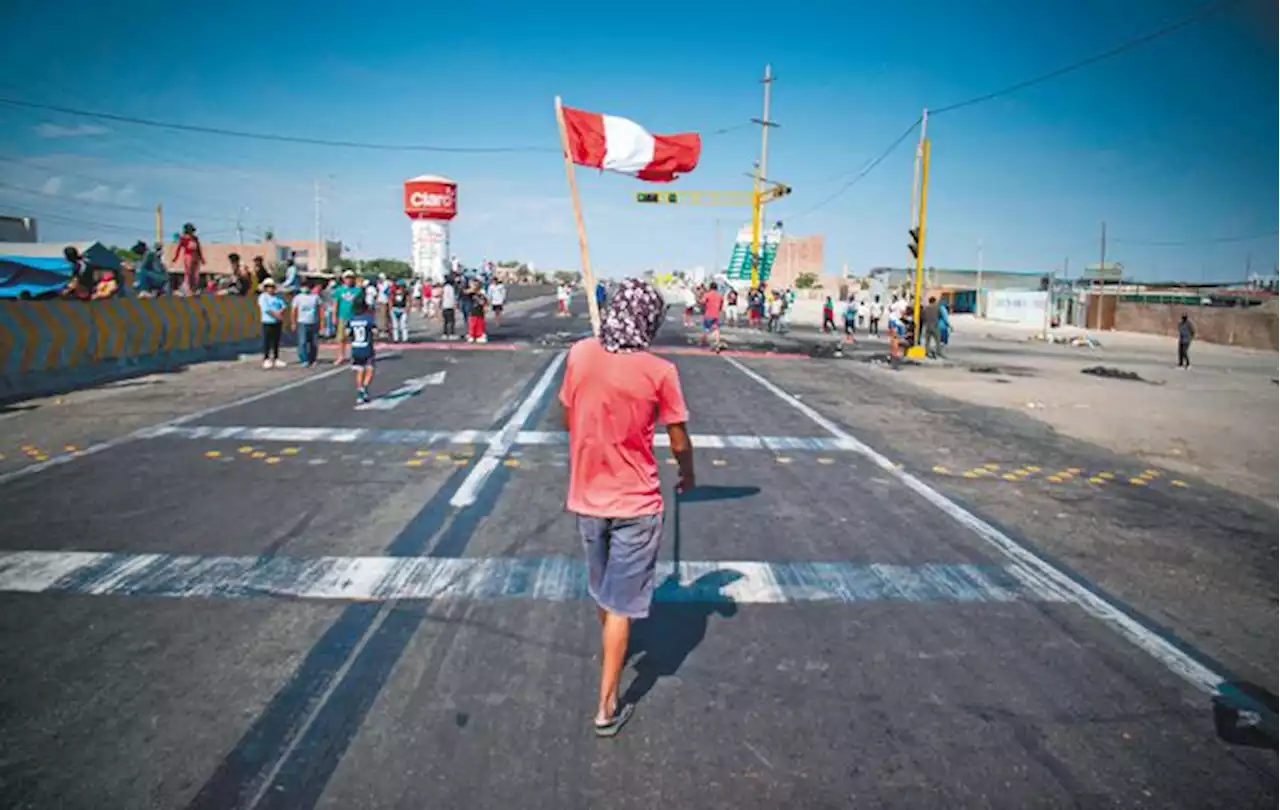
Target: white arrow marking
408	388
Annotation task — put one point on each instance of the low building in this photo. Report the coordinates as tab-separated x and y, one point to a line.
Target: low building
18	229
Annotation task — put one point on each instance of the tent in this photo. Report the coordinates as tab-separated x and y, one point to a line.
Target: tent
36	269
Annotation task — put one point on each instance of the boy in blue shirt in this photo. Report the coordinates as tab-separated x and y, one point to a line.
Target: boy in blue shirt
361	330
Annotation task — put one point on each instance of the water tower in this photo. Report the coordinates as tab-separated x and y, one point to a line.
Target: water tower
431	202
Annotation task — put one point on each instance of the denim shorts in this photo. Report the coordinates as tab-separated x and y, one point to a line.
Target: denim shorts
621	556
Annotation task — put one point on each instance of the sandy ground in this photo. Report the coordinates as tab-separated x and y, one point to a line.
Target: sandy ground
1217	421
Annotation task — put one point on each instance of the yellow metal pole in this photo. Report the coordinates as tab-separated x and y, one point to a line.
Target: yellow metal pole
916	350
755	233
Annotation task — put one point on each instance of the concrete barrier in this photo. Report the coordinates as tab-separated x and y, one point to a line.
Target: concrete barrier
52	346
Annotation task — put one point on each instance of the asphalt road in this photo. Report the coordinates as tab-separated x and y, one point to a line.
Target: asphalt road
249	594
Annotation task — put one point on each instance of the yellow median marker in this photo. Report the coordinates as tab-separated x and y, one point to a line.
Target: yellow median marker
258	454
212	454
289	451
1097	479
1138	482
512	462
273	460
939	469
1177	482
1009	477
245	449
1106	475
414	462
991	466
1053	479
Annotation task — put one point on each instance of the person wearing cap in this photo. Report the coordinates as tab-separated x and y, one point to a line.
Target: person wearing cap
272	307
347	294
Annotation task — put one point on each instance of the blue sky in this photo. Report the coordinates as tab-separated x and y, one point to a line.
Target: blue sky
1174	141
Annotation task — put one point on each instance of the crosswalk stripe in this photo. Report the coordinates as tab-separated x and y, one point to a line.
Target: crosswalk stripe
555	579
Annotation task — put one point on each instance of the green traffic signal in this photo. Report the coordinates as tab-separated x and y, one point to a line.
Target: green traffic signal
646	197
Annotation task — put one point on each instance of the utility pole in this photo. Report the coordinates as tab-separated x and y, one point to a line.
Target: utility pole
315	261
1102	262
160	223
978	303
918	235
761	172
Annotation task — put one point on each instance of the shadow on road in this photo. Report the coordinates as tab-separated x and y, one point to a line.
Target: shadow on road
677	624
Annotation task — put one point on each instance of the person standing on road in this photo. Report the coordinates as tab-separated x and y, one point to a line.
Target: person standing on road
497	299
1186	334
361	330
306	321
712	303
475	318
272	308
347	295
448	304
615	393
731	307
873	316
400	313
931	331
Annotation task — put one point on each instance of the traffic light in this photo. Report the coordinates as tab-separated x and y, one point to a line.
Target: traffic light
646	197
672	197
914	244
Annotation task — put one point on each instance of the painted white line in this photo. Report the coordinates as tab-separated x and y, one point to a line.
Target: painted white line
500	445
554	438
407	389
1035	572
555	579
143	433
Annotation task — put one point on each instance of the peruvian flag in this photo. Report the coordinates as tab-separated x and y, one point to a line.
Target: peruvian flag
622	145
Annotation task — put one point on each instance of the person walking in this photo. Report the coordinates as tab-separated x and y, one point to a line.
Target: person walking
272	308
306	323
712	303
1186	334
348	293
361	331
400	313
615	393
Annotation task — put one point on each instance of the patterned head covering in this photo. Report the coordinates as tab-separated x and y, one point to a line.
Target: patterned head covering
634	315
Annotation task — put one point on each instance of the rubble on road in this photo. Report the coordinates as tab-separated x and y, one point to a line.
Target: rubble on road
1113	373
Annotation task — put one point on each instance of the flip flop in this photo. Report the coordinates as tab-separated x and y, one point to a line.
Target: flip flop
611	728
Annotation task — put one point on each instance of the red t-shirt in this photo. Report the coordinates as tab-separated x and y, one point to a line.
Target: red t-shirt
711	304
615	401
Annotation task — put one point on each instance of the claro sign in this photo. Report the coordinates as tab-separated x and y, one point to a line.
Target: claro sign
430	199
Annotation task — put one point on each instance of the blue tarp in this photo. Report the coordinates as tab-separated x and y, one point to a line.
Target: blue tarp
32	277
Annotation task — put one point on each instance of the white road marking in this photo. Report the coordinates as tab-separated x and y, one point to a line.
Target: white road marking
142	433
556	438
555	579
407	389
1035	572
500	444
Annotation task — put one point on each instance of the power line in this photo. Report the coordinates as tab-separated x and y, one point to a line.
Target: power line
1129	45
102	203
267	136
865	170
1213	240
1177	25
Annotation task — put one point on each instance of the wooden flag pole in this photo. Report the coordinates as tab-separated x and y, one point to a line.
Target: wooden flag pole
588	280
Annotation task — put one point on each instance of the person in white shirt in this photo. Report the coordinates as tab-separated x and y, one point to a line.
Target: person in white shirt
497	299
897	310
448	303
874	312
562	300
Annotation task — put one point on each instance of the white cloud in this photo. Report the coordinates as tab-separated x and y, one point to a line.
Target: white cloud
107	194
47	130
52	186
